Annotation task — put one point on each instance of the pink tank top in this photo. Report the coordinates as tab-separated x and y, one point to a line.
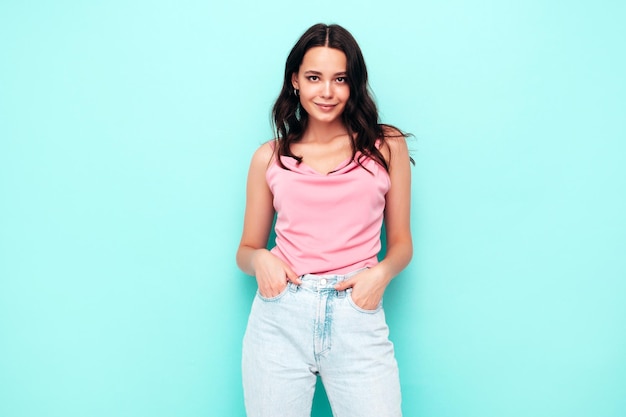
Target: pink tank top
328	224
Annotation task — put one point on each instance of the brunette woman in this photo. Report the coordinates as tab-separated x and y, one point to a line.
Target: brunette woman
330	178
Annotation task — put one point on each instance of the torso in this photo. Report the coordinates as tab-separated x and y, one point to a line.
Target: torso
329	211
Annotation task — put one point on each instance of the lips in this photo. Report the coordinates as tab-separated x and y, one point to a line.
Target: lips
325	107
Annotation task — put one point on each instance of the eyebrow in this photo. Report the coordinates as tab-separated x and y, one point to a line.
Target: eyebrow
313	72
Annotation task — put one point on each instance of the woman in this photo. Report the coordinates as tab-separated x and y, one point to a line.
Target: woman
330	177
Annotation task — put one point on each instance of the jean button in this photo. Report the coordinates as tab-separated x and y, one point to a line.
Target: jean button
323	281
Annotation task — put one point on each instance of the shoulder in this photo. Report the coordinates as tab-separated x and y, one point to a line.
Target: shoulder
263	156
391	131
394	144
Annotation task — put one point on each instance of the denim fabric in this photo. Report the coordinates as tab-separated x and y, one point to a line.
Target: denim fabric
312	330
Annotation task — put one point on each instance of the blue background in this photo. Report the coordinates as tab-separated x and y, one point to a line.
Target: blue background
126	129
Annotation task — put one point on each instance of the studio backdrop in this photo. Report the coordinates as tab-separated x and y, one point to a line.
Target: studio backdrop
126	130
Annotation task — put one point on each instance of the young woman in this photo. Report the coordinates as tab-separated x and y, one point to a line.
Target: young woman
331	177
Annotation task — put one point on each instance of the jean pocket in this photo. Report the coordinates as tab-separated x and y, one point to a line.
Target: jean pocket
361	309
276	297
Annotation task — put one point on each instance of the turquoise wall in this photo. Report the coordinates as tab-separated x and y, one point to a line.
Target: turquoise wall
126	128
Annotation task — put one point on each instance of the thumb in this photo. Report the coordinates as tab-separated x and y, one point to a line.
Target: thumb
344	285
292	276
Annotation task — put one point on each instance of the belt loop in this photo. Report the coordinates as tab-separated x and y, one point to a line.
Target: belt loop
340	294
292	287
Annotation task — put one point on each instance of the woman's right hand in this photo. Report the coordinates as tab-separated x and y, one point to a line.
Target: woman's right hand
272	274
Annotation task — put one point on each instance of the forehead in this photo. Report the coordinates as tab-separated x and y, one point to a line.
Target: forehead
322	58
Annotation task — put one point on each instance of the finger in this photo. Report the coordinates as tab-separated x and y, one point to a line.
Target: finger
292	276
344	285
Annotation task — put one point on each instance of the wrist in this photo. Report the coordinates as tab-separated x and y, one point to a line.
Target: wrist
385	271
255	256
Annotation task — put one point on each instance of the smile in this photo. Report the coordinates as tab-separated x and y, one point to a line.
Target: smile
325	107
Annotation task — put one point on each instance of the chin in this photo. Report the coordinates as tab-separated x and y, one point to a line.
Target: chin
327	120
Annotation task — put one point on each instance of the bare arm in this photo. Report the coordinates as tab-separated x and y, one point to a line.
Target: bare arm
252	256
398	210
369	286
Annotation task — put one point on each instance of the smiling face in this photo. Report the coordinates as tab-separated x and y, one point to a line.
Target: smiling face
324	89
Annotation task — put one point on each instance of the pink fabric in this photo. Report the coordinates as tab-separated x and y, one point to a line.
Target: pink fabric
328	224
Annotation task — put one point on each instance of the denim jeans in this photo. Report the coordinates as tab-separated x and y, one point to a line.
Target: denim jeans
312	330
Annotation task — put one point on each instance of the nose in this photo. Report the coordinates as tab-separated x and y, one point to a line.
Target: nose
327	89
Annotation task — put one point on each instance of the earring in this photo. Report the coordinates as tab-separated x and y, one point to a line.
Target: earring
296	92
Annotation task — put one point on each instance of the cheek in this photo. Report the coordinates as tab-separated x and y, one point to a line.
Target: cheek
307	91
345	92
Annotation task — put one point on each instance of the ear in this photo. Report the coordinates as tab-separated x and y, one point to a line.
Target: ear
294	80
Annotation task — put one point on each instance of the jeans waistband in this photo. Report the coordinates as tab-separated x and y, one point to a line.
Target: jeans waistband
318	282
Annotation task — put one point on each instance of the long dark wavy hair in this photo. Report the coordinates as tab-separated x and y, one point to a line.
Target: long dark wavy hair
360	115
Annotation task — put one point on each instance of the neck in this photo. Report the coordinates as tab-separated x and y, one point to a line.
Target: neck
323	132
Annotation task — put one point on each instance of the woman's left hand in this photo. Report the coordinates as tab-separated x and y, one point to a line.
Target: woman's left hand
368	288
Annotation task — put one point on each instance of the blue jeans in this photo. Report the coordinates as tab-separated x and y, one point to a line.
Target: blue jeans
311	330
